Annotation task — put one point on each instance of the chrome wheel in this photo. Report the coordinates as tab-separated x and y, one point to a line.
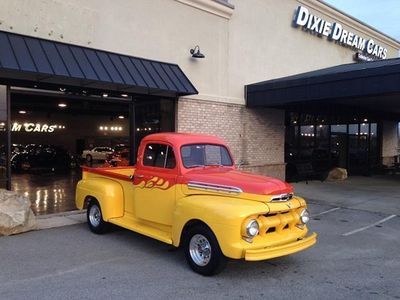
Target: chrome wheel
200	250
94	216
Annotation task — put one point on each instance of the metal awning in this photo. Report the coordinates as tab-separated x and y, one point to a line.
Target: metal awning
28	61
371	85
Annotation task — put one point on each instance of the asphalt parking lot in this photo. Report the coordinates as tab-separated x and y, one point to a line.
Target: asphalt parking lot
356	257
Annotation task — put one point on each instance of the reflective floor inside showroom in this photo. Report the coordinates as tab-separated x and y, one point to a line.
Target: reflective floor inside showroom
49	192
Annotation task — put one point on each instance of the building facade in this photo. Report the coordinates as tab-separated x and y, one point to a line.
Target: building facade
244	42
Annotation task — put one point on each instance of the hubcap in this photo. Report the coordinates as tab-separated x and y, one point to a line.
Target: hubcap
200	250
94	215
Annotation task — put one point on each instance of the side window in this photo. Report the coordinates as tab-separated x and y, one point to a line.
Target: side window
160	156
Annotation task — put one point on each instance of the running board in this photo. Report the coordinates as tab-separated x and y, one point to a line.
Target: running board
131	224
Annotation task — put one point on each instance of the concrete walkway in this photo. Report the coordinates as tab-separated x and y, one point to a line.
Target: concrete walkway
375	194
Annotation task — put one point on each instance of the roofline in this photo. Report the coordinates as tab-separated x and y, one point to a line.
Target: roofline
54	41
288	78
87	47
358	20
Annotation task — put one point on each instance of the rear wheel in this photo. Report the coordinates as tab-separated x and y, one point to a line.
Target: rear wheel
95	218
202	251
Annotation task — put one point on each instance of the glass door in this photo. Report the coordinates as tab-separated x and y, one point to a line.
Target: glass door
339	145
358	149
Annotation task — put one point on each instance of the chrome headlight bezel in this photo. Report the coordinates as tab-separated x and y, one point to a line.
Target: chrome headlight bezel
252	228
305	216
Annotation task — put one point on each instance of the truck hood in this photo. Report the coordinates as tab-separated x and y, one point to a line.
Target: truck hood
247	182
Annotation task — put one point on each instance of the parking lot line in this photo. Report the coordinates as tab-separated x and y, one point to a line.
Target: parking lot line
369	226
327	211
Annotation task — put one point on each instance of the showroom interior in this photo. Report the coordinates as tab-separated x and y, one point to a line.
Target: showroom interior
63	106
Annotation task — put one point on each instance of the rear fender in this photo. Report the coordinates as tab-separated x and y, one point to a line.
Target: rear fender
107	192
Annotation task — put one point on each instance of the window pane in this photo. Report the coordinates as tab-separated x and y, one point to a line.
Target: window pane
154	155
339	128
205	155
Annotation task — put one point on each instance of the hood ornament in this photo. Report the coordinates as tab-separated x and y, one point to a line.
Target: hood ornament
282	197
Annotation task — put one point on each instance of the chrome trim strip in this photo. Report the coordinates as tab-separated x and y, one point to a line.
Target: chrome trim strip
196	185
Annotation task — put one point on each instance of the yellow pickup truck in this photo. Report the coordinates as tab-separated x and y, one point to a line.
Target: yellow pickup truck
186	191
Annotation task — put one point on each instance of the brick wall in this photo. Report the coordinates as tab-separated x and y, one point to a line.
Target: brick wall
255	136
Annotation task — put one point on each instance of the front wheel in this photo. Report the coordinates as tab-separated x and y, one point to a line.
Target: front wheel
95	218
202	251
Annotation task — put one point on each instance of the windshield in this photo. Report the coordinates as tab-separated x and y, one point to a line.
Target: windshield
199	155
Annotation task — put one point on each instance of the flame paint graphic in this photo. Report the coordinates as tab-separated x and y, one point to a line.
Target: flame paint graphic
155	183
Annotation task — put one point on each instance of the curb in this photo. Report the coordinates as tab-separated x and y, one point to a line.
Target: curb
60	219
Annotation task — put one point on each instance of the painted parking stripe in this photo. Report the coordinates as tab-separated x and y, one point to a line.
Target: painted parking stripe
369	226
326	212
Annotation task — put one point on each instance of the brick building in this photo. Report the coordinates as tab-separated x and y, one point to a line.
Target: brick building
266	84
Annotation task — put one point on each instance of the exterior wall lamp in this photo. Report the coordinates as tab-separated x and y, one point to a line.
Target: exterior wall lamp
196	52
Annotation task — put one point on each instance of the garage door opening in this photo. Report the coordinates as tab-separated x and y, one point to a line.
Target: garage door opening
52	135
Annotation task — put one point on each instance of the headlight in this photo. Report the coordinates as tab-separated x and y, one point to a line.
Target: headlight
304	216
252	228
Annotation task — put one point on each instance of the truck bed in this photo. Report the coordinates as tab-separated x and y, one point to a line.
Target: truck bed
123	173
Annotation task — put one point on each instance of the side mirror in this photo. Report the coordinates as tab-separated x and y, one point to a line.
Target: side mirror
240	163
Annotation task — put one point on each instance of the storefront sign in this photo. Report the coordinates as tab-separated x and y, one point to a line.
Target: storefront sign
336	32
34	127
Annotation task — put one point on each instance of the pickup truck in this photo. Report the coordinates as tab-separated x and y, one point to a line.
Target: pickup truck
186	191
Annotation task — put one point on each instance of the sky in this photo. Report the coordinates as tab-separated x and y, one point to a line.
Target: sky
384	15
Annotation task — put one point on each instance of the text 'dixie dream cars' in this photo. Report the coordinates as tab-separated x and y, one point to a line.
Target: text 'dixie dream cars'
186	191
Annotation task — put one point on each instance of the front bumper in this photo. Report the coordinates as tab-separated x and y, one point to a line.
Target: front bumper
282	250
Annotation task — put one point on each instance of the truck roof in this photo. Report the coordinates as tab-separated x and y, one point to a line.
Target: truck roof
179	139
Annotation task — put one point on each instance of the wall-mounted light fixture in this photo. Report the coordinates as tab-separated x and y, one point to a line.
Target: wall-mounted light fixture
196	52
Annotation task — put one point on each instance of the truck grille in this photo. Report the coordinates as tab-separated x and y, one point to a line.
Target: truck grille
279	222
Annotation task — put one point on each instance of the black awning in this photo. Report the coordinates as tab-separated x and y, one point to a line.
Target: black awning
29	60
374	85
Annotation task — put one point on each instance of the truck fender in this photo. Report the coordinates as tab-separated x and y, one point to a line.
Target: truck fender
107	192
223	215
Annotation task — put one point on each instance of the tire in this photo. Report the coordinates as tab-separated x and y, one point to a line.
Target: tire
95	218
200	239
89	158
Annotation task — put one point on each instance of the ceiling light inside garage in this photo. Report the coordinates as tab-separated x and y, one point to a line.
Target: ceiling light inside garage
121	117
62	105
22	112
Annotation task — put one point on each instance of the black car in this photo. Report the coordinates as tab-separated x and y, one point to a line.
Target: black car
41	157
